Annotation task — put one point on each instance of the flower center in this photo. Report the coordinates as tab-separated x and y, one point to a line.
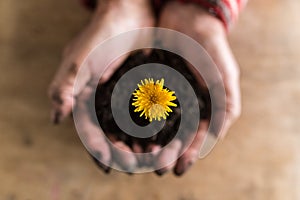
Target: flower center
156	111
153	99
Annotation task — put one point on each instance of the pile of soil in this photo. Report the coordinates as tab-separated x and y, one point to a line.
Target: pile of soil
104	93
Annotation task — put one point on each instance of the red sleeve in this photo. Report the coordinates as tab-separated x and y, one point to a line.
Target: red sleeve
226	10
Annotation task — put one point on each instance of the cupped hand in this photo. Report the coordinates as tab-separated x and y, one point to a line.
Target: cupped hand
208	31
111	18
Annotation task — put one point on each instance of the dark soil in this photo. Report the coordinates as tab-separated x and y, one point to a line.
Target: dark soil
104	92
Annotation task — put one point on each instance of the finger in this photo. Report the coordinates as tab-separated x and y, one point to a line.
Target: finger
96	157
166	159
91	135
138	151
62	102
150	154
229	69
136	147
191	153
123	156
61	87
153	149
61	90
233	105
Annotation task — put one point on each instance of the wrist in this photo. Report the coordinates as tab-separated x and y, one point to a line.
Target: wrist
208	28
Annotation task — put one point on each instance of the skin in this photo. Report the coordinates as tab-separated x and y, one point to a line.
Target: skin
211	34
125	15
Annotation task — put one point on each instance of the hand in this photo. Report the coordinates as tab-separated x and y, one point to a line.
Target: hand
111	18
209	31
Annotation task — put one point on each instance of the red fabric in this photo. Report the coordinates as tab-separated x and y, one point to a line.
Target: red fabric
225	10
209	6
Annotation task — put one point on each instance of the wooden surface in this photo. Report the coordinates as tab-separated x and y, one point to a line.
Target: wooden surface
260	159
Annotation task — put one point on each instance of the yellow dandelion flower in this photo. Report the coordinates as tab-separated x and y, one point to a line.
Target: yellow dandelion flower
153	100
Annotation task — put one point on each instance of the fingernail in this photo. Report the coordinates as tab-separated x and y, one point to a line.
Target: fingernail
56	118
161	172
130	168
103	167
181	171
107	170
129	173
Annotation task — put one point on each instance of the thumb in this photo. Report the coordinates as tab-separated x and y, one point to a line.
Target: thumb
61	90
